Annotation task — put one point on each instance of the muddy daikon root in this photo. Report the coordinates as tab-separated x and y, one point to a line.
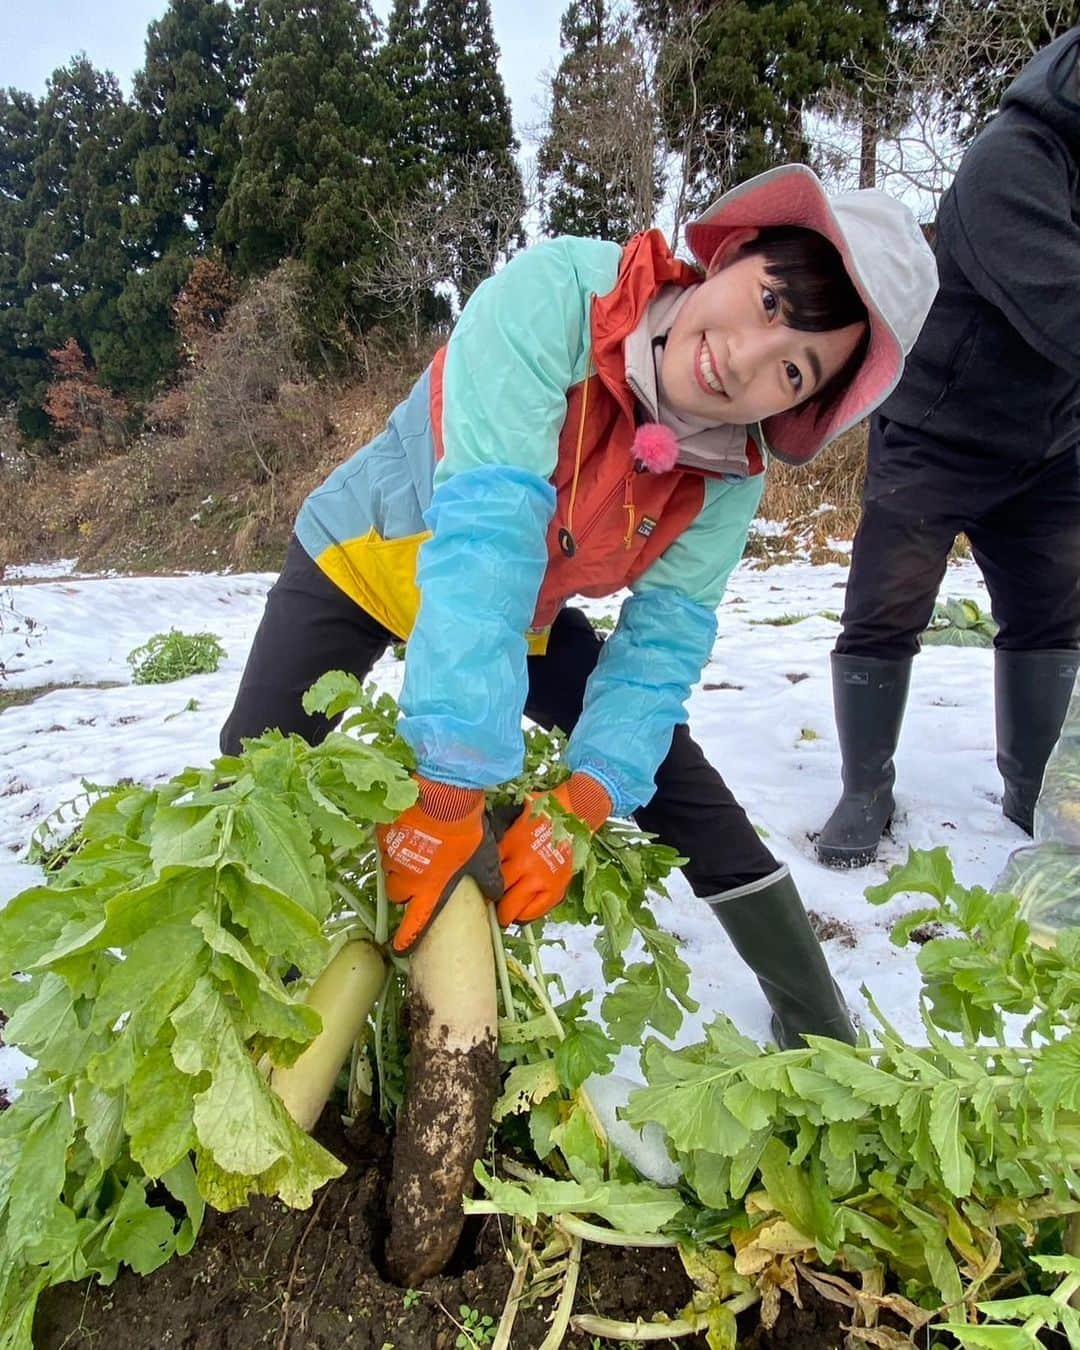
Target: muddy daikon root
453	1079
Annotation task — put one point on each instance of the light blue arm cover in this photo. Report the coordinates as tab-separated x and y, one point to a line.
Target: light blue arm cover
465	673
636	696
520	344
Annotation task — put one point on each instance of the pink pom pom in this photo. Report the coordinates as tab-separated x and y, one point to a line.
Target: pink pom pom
655	446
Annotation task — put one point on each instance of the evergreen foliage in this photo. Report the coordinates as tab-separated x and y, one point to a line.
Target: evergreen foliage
22	352
734	80
186	143
470	132
598	161
313	162
404	62
187	96
77	255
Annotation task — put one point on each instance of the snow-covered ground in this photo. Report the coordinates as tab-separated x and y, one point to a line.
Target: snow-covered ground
763	711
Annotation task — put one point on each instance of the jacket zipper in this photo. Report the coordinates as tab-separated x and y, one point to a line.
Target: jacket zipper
625	486
628	507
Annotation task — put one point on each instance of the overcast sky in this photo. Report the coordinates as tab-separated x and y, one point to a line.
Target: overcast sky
36	36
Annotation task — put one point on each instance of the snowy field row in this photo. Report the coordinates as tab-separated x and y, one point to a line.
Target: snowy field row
763	711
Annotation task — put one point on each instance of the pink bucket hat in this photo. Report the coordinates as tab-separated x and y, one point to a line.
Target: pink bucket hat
886	257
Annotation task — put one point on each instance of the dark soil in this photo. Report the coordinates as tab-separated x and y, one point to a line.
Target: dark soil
828	929
311	1280
926	932
817	1325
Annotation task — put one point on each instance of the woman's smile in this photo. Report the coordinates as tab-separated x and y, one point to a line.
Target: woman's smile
706	371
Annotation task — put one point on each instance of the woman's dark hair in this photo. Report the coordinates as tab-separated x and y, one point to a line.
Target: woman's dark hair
815	293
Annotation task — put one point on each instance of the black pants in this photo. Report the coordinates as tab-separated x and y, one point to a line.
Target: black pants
310	627
1023	521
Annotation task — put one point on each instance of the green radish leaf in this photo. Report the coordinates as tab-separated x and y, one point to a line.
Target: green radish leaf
272	1012
31	924
157	974
275	922
585	1051
36	1218
687	1101
929	871
577	1142
159	1112
796	1195
182	1185
103	1114
188	836
525	1085
543	1118
332	694
156	903
142	1237
870	1084
957	1164
634	1207
711	1176
722	1332
48	1028
641	999
271	847
992	1338
1055	1078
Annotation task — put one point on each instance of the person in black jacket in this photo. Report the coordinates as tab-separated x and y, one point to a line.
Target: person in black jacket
981	435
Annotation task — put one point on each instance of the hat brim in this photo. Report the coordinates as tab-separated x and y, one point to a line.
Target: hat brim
794	195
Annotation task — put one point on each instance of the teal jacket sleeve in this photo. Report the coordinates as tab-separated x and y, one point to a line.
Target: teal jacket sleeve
521	343
637	694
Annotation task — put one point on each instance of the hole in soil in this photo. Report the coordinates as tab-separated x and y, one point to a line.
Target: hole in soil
367	1150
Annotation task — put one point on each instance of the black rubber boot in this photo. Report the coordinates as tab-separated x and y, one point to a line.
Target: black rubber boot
1031	697
768	927
868	699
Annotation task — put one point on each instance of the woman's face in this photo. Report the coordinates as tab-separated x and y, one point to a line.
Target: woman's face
731	357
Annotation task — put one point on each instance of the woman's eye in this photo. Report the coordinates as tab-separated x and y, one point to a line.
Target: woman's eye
770	302
794	374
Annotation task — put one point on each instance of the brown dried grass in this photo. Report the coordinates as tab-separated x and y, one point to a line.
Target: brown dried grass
817	504
834	479
188	500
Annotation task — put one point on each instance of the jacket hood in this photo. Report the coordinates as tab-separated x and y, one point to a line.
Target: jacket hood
1049	87
885	255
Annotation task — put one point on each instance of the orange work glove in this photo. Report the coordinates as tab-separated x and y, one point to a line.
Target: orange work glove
536	870
441	838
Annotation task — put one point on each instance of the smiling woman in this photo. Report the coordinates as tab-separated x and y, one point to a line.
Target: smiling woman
776	323
543	455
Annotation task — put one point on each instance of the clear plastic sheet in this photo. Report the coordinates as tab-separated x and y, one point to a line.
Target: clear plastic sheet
1045	876
1057	812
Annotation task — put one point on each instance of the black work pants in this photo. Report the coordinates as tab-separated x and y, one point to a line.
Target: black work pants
310	627
1022	518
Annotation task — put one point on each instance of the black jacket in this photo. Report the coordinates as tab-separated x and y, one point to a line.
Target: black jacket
996	369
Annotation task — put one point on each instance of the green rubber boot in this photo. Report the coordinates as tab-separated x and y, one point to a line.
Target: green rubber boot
768	927
1031	696
869	696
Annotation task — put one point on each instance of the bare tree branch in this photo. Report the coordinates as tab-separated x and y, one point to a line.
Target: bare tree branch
922	132
421	241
